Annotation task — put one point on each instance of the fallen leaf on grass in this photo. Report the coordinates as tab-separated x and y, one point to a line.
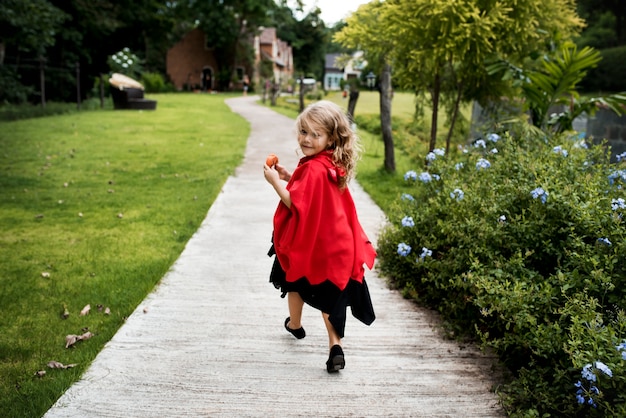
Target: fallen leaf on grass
120	215
85	310
66	313
56	365
45	274
107	311
40	373
72	339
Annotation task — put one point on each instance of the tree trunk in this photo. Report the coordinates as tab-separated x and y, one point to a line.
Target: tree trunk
301	94
2	49
385	118
455	114
354	97
435	99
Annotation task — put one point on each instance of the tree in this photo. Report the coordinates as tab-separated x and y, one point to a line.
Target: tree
363	30
28	25
442	46
553	84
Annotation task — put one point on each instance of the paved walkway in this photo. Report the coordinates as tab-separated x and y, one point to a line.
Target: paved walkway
210	342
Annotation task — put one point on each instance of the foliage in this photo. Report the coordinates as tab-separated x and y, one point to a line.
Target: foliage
9	112
125	62
450	42
554	85
29	25
610	74
605	20
155	83
11	90
522	240
64	181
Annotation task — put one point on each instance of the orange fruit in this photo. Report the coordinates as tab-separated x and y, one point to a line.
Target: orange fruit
271	160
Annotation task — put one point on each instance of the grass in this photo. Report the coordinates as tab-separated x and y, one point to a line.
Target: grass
103	203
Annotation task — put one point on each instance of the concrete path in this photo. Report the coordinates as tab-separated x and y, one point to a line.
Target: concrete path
210	342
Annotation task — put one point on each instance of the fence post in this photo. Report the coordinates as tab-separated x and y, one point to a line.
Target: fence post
101	91
42	81
77	85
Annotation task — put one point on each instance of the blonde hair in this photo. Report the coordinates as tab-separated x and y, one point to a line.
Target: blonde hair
345	144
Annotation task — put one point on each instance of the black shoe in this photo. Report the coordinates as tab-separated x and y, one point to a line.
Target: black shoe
298	333
336	361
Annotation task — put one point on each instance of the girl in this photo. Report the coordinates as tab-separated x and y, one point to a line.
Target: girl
319	243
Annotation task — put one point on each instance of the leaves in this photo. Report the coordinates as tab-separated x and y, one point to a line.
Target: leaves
56	365
72	339
85	310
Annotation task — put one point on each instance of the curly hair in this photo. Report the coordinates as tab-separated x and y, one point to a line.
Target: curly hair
345	144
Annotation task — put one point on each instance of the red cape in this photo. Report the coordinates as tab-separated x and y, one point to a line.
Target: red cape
320	236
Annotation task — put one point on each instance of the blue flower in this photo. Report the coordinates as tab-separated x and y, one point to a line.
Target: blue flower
604	241
408	221
480	144
502	219
457	194
408	197
439	151
604	368
482	163
493	137
494	151
618	204
425	253
458	166
621	156
410	175
559	150
539	193
617	174
622	349
588	374
430	156
582	393
425	177
404	249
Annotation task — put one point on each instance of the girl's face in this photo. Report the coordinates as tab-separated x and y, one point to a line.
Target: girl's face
313	140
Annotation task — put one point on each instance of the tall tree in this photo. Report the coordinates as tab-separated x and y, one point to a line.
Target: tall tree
363	30
28	25
442	46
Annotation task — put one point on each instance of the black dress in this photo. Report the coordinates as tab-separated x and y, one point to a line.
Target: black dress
327	297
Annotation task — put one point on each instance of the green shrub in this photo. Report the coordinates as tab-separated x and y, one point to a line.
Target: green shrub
155	83
11	89
522	241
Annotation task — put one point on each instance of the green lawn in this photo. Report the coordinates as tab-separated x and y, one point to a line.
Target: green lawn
96	206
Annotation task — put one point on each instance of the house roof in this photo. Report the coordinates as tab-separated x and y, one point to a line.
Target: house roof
330	62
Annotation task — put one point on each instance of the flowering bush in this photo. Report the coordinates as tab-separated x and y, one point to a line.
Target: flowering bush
525	246
125	62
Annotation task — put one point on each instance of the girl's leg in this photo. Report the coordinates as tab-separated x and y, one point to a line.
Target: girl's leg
336	360
295	303
333	337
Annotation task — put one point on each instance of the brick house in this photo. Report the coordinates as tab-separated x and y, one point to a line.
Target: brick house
269	47
190	63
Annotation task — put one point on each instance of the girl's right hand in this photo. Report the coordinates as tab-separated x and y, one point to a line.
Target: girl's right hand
283	173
